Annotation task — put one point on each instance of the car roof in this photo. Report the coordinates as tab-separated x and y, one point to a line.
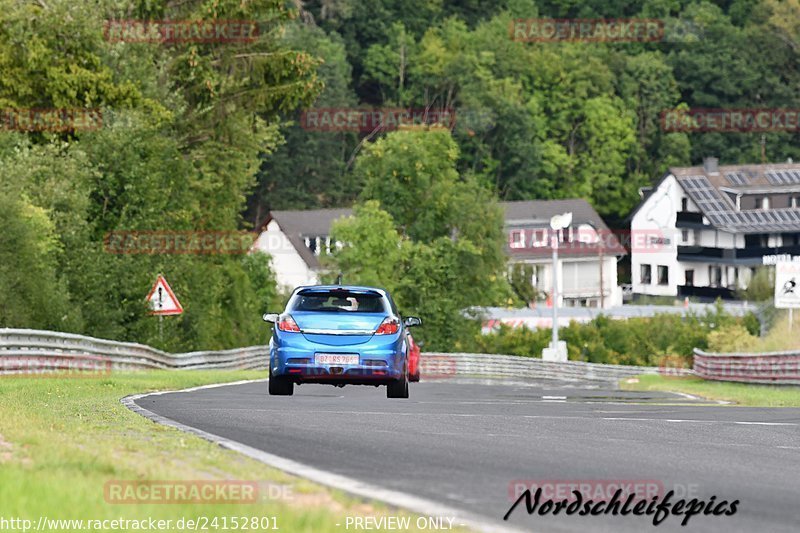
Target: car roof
354	288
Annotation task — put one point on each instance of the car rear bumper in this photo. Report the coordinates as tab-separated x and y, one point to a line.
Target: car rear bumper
345	374
375	367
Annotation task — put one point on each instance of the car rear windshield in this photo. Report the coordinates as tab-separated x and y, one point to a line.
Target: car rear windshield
338	302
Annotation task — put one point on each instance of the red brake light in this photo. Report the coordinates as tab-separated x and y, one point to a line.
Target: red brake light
389	326
287	323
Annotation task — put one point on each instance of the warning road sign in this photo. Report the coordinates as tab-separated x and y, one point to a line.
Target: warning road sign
161	300
787	284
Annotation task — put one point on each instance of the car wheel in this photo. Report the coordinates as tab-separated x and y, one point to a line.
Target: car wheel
280	386
399	388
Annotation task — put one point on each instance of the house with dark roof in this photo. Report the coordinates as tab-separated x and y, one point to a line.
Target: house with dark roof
702	231
588	250
295	239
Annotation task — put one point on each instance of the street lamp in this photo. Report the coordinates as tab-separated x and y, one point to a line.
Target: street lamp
557	350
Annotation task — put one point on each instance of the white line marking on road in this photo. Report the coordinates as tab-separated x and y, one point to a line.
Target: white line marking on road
766	423
680	420
353	486
467	415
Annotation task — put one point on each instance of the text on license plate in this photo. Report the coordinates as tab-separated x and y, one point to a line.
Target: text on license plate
336	359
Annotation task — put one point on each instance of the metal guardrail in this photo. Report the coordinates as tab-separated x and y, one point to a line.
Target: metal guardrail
26	350
442	365
777	368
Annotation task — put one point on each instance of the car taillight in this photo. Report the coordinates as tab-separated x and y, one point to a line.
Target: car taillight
287	323
389	326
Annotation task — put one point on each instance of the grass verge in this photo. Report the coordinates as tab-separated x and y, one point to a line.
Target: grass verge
63	439
745	394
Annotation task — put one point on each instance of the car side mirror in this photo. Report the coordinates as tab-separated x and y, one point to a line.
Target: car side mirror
270	317
412	321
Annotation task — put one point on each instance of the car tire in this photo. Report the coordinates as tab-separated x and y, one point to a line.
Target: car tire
399	388
280	386
414	378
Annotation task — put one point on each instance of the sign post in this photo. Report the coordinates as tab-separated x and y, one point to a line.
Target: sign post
162	302
558	349
787	287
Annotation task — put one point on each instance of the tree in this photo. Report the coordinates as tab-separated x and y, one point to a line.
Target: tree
430	236
32	294
309	169
761	287
371	251
184	126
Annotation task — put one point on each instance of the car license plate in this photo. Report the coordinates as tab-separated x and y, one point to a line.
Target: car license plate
336	359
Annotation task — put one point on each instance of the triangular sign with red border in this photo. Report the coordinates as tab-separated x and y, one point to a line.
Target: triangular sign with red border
161	300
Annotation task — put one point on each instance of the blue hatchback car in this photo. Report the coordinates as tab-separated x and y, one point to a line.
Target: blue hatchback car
340	335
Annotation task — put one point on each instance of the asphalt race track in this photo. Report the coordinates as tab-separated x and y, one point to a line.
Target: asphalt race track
465	443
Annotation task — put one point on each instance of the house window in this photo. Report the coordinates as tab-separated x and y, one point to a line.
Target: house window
715	276
756	240
684	204
685	235
586	233
690	278
311	244
645	274
795	201
539	238
516	239
663	275
765	203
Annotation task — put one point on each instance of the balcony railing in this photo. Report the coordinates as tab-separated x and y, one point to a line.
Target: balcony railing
688	219
706	293
707	251
699	252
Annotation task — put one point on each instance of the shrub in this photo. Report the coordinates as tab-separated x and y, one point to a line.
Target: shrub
636	341
732	338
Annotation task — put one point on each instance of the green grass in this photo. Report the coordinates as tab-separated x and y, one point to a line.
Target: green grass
740	393
62	439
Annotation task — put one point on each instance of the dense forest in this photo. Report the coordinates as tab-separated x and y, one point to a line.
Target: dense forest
541	120
209	136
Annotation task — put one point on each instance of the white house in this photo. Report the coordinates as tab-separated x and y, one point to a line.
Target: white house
702	231
587	262
295	239
587	251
